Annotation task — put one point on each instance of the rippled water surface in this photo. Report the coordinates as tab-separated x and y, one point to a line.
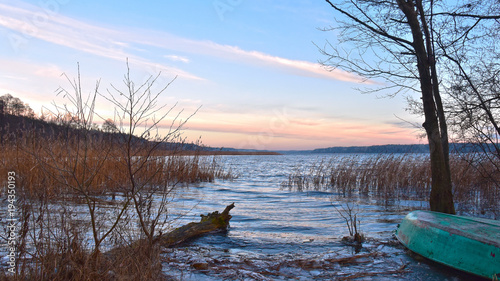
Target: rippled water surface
278	234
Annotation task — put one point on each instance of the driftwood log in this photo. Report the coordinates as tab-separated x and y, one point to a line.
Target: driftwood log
213	222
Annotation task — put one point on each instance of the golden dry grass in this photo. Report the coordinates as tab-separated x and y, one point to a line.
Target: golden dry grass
62	166
64	171
399	177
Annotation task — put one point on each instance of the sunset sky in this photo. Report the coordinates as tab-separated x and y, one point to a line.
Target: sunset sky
251	67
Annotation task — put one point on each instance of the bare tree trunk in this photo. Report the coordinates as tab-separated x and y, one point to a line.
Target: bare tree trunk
441	198
380	23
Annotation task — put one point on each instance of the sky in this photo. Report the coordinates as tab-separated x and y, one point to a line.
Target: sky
245	74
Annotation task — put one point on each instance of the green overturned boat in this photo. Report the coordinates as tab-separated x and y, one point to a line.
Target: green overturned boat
465	243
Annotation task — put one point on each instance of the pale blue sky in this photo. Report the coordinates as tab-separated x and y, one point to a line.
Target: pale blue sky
251	66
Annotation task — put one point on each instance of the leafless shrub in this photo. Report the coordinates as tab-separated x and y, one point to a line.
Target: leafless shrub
349	212
65	179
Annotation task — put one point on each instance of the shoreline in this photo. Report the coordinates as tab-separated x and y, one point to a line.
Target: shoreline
210	153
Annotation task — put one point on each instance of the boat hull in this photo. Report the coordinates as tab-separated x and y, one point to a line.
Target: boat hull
465	243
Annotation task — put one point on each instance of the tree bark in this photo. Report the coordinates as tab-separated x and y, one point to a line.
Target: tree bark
441	197
213	222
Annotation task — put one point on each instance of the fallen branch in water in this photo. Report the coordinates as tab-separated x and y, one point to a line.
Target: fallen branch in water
213	222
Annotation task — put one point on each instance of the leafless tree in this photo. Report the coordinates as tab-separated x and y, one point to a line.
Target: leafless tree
71	159
140	116
404	43
109	126
14	106
90	165
474	111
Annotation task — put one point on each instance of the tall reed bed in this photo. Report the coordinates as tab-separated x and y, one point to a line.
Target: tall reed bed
55	168
60	187
66	172
397	177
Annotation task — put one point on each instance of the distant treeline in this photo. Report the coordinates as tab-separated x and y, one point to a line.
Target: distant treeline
16	126
403	148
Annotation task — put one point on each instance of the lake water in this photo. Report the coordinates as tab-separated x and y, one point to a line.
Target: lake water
278	234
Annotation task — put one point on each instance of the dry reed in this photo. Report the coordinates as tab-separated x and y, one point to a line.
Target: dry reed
65	168
398	177
52	245
43	171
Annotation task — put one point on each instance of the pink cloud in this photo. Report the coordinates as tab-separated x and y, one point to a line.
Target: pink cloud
261	134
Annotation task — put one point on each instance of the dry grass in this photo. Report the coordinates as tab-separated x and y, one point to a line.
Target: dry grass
59	253
53	168
397	177
58	175
64	169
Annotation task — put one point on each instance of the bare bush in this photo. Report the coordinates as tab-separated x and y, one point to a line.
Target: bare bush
85	191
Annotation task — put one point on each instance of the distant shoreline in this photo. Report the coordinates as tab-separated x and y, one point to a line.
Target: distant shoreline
209	153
